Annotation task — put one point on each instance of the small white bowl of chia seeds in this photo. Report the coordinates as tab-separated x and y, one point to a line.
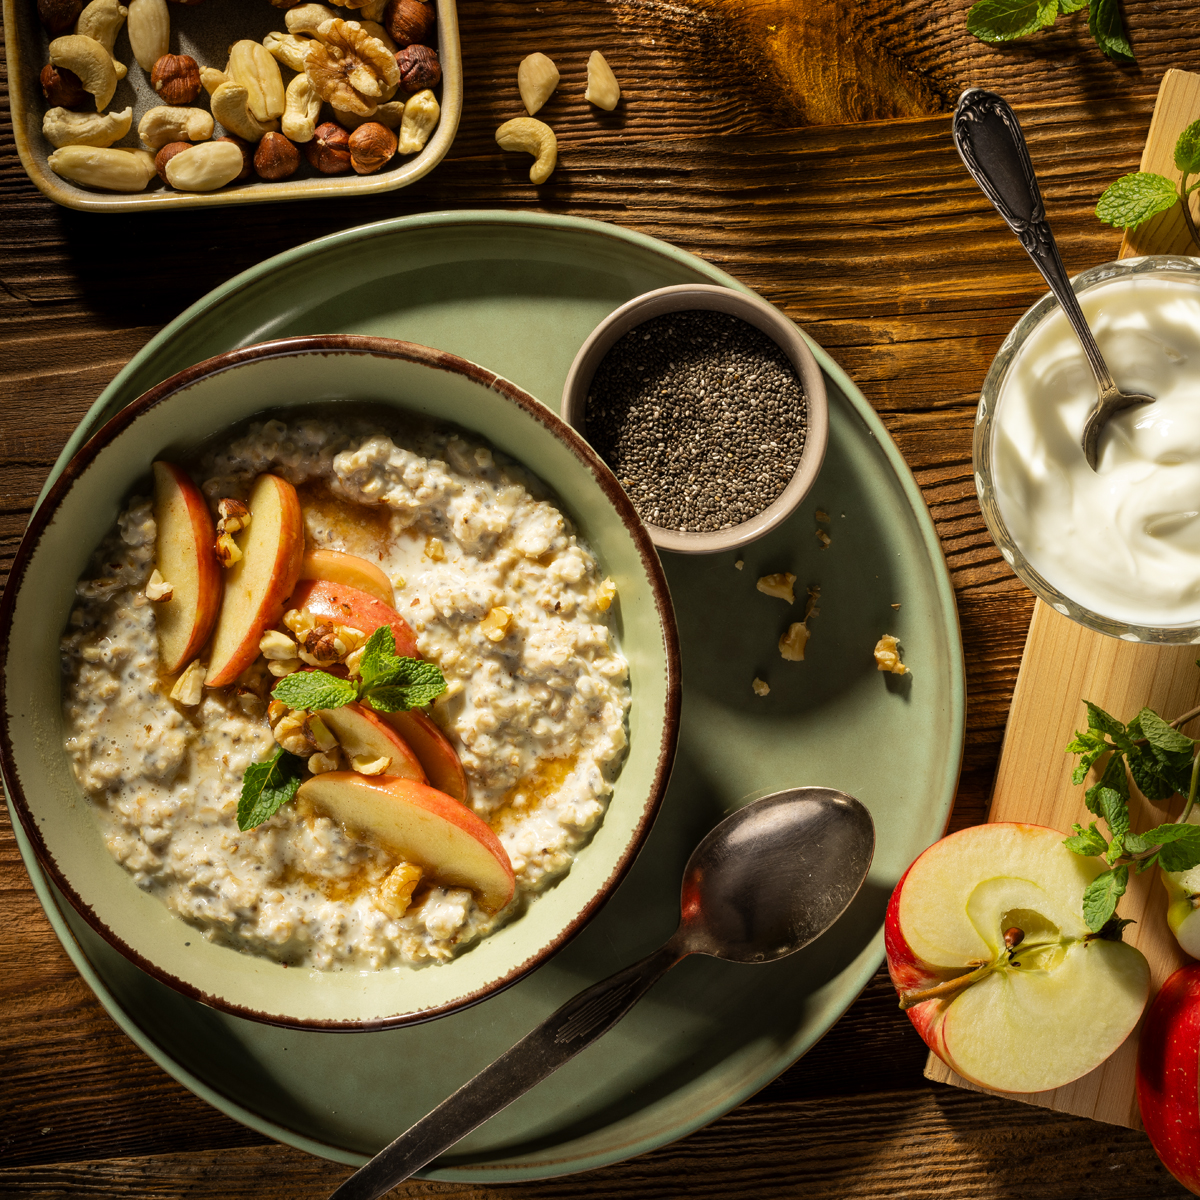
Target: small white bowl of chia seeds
709	408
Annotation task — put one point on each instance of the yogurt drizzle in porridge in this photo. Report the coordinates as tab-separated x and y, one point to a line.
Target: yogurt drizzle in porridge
538	717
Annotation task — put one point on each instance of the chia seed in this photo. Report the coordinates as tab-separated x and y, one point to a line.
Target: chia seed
701	417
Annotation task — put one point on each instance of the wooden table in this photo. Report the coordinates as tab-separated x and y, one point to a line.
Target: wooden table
803	146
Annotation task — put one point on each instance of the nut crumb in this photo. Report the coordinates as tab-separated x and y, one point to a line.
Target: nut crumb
434	550
158	590
778	585
895	606
791	645
761	686
189	687
739	564
824	539
822	516
887	655
606	593
495	625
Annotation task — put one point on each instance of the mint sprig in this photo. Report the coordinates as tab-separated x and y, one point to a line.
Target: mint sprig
1000	21
1134	199
387	682
266	787
1162	762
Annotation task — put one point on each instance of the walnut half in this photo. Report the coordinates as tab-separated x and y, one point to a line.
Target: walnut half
351	69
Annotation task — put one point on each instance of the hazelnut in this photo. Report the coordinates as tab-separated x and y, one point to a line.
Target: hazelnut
329	150
59	16
62	88
247	156
409	21
419	68
371	145
276	157
176	78
165	155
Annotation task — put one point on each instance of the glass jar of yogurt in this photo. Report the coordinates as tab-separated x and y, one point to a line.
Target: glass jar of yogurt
1117	549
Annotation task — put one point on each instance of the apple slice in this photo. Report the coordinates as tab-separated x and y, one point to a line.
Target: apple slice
361	733
259	583
1183	915
1019	1013
338	567
434	750
419	824
1168	1077
351	606
186	560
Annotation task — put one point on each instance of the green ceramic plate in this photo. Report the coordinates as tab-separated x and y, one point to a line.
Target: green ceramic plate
520	293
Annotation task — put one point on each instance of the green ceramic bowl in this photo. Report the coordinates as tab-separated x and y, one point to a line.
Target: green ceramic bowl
171	420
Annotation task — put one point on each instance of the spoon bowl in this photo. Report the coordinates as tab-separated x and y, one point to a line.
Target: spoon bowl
767	881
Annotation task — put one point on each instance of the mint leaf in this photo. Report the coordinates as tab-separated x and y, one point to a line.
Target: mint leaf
1135	198
378	655
1004	20
410	683
1071	6
1103	722
1114	778
1114	808
1187	150
266	787
1159	734
315	689
1107	27
1100	898
1091	746
1180	846
1087	842
1147	773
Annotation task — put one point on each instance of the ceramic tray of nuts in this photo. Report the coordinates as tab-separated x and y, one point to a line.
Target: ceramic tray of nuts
321	100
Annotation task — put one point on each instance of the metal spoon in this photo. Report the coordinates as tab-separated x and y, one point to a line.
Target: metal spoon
765	882
993	149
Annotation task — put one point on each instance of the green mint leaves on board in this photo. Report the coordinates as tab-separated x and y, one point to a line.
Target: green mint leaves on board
1134	199
267	786
1162	761
999	21
386	682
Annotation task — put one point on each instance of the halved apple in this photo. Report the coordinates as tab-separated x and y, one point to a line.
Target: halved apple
186	560
338	567
1183	915
361	733
259	583
351	606
1019	1013
433	749
419	824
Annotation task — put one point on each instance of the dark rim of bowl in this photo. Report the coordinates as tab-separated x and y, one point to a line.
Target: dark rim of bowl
381	348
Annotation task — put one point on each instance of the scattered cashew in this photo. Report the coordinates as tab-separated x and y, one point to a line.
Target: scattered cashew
64	128
90	61
206	167
229	104
252	65
174	123
149	28
420	116
102	20
303	107
537	77
289	49
104	167
534	137
602	88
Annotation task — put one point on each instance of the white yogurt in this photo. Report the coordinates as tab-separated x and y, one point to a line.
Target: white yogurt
1123	541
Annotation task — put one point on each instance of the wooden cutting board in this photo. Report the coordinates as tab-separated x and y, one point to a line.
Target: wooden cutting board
1063	665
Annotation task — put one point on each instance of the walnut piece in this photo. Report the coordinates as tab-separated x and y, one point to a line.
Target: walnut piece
778	585
761	686
351	69
887	655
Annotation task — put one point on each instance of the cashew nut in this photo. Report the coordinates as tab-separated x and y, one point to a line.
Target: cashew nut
302	110
229	104
102	20
104	167
252	65
205	168
212	79
534	137
289	49
174	123
149	31
64	128
391	114
307	18
90	61
537	77
603	90
420	116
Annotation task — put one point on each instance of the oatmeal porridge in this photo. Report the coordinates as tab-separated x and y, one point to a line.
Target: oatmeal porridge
489	585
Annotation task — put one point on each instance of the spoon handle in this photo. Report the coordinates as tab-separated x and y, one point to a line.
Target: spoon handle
540	1053
992	147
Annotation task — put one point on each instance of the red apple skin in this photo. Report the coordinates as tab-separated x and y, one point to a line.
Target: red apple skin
283	573
358	609
206	602
337	566
434	749
1168	1076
